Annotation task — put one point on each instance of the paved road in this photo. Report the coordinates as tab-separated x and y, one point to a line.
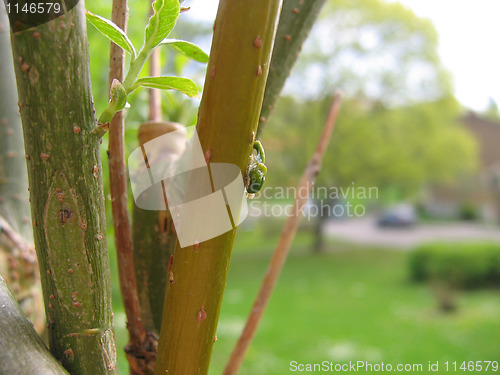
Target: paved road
365	231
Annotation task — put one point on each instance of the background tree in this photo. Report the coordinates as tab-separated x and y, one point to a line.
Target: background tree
373	50
399	126
18	263
399	149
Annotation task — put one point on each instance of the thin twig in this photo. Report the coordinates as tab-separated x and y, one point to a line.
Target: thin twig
17	241
119	200
24	254
155	94
21	349
284	243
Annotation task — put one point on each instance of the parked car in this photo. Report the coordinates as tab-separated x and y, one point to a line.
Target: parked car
400	215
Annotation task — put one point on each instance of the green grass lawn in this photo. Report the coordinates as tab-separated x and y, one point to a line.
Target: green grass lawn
351	303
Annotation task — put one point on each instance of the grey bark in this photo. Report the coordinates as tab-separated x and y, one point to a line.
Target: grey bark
22	352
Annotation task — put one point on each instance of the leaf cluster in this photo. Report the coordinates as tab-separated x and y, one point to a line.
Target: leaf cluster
161	23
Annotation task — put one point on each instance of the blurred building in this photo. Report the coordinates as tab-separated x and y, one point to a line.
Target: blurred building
478	196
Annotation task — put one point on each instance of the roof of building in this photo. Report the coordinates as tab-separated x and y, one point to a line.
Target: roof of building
487	134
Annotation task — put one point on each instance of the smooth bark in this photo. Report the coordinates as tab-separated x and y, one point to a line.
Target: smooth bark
23	353
227	122
296	21
135	348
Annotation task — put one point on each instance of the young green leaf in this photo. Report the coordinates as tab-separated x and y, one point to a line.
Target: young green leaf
189	49
183	85
161	22
113	32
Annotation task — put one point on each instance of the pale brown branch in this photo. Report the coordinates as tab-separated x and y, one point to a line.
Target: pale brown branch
119	202
17	241
23	266
284	243
155	94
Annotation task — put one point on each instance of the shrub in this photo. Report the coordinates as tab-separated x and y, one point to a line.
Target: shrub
461	265
468	211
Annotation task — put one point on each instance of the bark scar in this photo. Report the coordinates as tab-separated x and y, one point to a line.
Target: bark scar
66	251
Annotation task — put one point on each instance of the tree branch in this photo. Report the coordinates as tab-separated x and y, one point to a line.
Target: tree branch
21	270
19	267
119	203
21	349
227	122
66	191
14	204
296	21
153	233
285	241
155	94
16	239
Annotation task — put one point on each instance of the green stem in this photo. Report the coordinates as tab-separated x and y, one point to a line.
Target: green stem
66	192
228	118
108	113
154	239
296	21
135	70
128	84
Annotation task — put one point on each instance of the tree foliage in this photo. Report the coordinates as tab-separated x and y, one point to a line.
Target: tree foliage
375	50
403	148
399	127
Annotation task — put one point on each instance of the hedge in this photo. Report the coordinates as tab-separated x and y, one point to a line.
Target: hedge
461	265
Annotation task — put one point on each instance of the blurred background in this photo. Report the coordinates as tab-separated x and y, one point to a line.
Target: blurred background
398	255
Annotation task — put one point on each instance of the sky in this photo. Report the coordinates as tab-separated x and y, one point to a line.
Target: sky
468	42
468	45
